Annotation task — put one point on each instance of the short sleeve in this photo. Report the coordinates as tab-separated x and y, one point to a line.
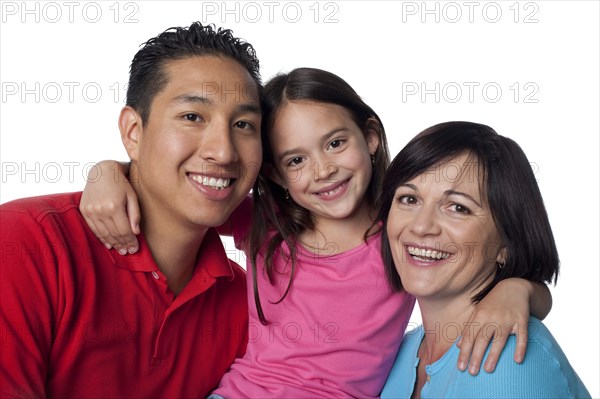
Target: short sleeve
545	371
28	287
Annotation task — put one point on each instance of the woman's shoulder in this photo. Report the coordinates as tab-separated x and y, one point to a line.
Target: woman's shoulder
545	369
541	345
402	377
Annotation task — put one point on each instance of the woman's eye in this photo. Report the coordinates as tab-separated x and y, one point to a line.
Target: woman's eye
460	209
407	199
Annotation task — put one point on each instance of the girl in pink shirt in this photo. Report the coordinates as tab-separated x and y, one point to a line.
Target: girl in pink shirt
323	319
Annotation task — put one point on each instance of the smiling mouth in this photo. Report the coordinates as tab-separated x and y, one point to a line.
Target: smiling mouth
427	255
216	183
333	191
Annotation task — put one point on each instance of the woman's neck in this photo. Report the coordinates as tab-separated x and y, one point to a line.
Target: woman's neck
444	321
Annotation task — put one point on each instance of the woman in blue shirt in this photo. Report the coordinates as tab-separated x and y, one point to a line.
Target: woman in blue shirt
462	212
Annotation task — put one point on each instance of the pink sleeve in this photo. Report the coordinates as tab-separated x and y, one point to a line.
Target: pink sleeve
241	222
28	294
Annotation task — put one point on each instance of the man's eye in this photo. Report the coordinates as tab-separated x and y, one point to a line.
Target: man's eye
192	117
244	125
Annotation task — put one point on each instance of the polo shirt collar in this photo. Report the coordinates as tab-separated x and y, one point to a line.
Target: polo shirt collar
212	258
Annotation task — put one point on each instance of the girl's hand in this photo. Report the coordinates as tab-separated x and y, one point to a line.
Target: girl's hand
504	311
110	207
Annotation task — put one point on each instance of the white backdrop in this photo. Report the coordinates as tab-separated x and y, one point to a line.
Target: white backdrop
528	69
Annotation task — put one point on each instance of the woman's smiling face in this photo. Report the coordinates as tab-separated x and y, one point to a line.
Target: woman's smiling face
442	235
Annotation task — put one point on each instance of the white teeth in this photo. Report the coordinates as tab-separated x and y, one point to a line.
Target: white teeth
427	253
213	182
331	192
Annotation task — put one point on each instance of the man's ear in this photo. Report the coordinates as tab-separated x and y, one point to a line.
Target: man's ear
273	173
372	135
130	125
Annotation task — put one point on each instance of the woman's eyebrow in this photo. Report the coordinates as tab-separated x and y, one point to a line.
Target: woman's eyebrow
454	192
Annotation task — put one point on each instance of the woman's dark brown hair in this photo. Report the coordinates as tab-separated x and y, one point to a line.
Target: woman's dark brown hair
508	184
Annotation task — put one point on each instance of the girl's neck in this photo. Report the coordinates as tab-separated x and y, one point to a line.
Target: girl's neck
338	235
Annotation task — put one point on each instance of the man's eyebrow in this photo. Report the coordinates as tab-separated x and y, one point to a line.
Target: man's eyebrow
192	98
249	107
199	99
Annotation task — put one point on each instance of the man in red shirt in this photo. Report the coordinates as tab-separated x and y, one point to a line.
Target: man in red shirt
80	322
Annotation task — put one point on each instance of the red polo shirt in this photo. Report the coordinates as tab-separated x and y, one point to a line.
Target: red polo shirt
80	321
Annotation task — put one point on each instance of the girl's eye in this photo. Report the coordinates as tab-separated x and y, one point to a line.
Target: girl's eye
295	161
192	117
336	144
460	209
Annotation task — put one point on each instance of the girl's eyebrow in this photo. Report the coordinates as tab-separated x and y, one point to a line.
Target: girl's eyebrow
323	139
332	133
289	152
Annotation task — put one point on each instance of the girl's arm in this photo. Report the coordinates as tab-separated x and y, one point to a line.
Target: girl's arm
110	206
504	311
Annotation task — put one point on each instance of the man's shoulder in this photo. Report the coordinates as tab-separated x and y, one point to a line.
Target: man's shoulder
238	271
38	207
49	216
237	281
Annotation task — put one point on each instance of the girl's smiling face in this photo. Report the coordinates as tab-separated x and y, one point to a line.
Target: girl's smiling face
442	235
323	158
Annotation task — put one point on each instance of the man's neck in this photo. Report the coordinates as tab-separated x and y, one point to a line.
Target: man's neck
174	250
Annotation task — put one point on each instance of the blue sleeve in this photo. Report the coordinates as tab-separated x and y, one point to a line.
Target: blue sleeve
544	373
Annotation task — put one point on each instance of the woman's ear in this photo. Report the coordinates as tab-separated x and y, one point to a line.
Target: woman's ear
502	255
130	125
372	135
